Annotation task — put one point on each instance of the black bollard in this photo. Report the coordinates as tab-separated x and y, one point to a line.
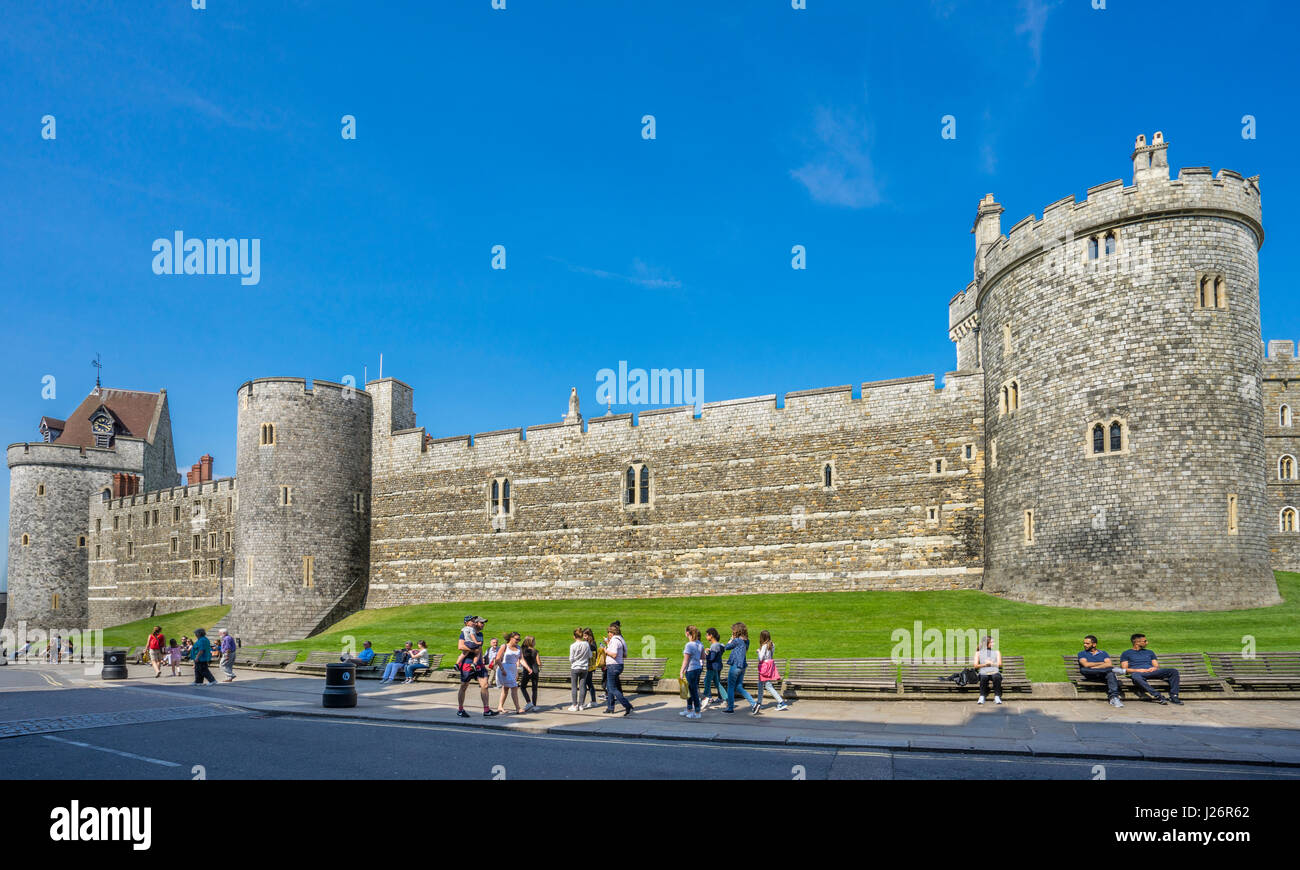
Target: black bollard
114	665
340	685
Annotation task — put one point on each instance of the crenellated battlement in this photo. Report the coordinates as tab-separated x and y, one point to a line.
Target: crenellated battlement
798	410
1069	222
223	485
294	387
1280	363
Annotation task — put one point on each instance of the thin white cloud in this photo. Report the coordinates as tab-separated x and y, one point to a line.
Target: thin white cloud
1033	21
842	173
643	275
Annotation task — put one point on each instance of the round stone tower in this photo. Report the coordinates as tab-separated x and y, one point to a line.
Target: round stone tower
302	528
1120	340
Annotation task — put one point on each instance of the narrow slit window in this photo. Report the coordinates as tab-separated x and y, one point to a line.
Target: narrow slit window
1116	436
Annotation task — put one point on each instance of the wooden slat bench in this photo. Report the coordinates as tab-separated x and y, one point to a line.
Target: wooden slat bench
317	659
879	674
555	670
1193	673
929	676
1277	671
246	657
277	658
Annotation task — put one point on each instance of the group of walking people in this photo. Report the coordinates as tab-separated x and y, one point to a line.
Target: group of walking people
516	665
701	660
163	652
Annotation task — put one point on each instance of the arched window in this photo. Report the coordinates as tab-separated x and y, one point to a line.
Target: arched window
499	496
1003	400
1220	292
1206	297
1284	415
106	495
1287	523
1092	248
1015	395
637	491
26	541
828	476
1116	436
268	434
1110	243
1099	439
1286	468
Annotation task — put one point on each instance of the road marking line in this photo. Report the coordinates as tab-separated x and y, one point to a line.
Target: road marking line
113	751
47	678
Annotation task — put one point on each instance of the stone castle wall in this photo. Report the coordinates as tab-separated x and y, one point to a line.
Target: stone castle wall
1282	387
160	552
1122	338
737	499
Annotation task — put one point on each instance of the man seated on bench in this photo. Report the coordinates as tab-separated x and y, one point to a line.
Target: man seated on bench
1096	667
361	659
1141	665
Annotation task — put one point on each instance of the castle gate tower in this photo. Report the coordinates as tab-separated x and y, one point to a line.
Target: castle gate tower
114	439
1120	340
302	531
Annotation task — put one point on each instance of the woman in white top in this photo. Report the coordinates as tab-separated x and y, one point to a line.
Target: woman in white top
767	674
507	671
692	662
579	662
989	661
419	660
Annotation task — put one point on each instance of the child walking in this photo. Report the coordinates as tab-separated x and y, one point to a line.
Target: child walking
174	657
712	669
767	673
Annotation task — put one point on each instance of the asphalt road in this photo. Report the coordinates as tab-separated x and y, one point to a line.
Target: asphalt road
217	743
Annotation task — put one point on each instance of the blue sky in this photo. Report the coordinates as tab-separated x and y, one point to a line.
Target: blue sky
522	128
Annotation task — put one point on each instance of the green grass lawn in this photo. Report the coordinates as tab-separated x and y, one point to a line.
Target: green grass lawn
818	625
173	624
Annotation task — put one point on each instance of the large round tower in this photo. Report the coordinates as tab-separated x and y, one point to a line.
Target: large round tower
1120	340
302	529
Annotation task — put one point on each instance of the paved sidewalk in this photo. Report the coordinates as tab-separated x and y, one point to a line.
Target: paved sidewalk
1253	732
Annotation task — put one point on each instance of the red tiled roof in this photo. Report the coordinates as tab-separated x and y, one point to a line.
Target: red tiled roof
137	411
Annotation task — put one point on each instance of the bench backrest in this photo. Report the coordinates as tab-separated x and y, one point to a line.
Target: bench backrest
1011	666
244	656
1188	664
279	657
1264	664
871	669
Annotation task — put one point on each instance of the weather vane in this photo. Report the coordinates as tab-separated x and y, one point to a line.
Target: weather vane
98	367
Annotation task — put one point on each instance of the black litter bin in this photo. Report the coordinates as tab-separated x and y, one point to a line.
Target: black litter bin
114	665
340	685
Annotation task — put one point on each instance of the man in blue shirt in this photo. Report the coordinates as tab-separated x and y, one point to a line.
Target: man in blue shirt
1095	665
362	659
1141	665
